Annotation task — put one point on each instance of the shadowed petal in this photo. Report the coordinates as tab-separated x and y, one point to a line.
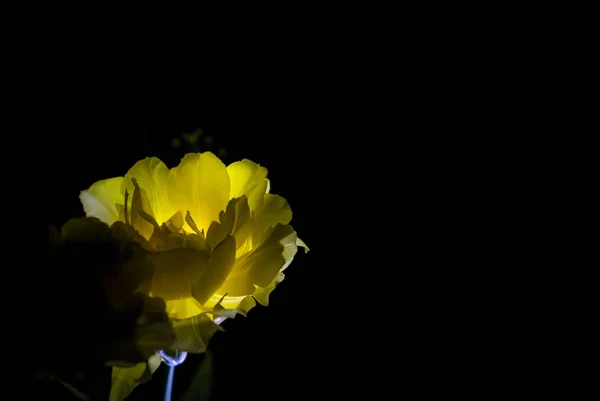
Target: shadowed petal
175	271
219	265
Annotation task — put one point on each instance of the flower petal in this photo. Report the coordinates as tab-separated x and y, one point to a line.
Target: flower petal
177	240
184	308
247	303
140	213
175	271
250	179
261	294
261	266
230	221
219	265
193	334
185	272
152	176
101	198
301	243
124	380
274	210
200	185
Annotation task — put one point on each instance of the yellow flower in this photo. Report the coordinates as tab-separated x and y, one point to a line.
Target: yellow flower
215	232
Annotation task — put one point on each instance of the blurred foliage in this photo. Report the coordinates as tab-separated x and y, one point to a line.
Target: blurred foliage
197	141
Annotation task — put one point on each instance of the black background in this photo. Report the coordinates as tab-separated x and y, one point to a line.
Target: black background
362	136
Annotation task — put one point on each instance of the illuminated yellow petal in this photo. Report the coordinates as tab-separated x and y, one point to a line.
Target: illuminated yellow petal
230	222
261	294
175	223
250	179
301	243
184	308
274	210
152	176
262	265
219	265
246	304
189	307
200	185
101	198
226	302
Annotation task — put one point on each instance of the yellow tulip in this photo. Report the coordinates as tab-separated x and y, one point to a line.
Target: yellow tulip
217	236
